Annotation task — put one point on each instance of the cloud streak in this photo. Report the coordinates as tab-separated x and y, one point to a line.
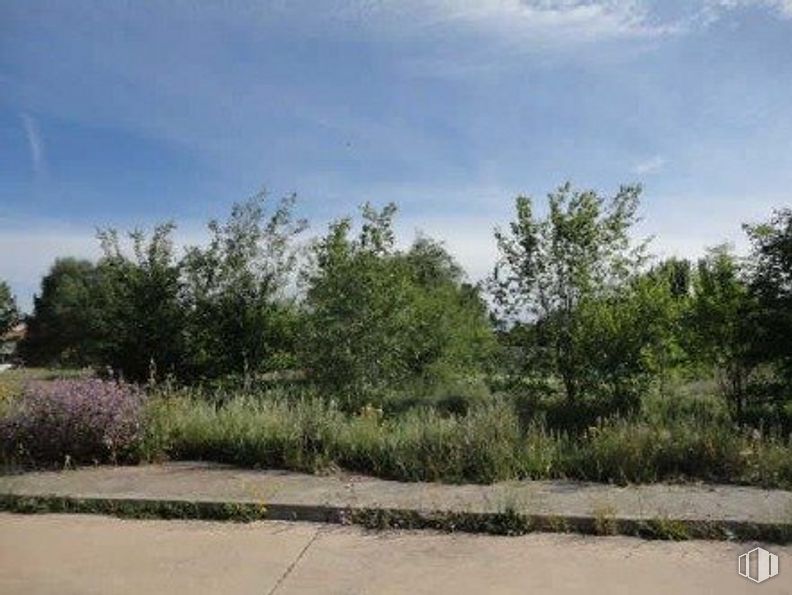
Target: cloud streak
782	8
649	166
35	144
530	21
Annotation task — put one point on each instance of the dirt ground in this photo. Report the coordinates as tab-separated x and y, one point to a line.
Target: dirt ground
60	554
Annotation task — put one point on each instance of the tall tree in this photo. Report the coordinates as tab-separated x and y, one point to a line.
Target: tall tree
771	283
553	272
62	328
241	315
140	324
722	322
9	313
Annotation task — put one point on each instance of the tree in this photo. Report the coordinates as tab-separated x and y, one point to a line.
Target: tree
240	316
771	284
140	322
561	273
9	313
62	329
379	318
722	322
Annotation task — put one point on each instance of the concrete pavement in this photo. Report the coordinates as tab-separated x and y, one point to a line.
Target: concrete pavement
714	511
79	554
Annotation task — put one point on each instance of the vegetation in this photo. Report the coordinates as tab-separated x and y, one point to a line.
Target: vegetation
8	308
62	330
80	421
595	362
379	319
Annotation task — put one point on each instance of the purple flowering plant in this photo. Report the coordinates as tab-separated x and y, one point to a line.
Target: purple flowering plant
77	420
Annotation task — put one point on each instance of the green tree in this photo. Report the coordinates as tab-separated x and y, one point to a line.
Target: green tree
140	322
380	318
771	284
721	321
628	339
568	275
9	313
241	317
62	328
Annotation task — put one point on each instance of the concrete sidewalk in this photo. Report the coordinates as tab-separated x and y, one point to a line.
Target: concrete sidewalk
85	555
690	510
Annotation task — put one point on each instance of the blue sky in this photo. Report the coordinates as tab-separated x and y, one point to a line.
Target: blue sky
126	113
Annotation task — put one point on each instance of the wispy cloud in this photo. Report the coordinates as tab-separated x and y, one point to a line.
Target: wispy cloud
649	166
577	20
35	144
565	21
782	8
568	20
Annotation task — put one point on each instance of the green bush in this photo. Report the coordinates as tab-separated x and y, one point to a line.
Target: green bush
625	451
381	320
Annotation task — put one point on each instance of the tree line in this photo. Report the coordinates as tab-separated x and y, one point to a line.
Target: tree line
575	307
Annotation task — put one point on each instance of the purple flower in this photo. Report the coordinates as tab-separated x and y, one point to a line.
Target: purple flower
85	420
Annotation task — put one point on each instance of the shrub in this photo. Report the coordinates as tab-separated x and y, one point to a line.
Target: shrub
381	319
636	451
244	432
82	421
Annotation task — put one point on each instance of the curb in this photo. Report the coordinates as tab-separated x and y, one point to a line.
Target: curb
508	522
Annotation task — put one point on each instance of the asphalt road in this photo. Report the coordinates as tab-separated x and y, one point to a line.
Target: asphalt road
59	554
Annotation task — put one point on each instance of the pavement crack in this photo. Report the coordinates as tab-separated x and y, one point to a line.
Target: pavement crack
294	563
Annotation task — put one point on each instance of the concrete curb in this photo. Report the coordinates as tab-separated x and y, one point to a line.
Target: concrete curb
507	522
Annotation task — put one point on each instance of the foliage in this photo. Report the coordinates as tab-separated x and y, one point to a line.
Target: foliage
378	317
144	313
677	436
62	330
80	421
140	319
771	283
239	318
721	322
9	314
571	282
627	341
385	360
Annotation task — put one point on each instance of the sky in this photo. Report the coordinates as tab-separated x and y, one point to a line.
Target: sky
128	113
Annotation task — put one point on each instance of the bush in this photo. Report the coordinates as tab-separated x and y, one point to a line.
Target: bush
630	451
82	421
381	319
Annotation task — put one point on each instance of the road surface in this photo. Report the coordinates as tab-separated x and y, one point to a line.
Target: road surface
63	555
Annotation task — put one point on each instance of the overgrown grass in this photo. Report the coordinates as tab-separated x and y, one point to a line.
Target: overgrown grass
487	444
457	434
312	435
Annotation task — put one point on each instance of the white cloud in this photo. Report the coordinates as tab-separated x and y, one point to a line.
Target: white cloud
649	166
563	21
782	8
570	20
709	12
35	143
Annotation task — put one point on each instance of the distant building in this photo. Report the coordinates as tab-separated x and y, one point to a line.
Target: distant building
10	341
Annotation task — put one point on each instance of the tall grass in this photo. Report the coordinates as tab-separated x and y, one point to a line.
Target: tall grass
489	443
459	435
